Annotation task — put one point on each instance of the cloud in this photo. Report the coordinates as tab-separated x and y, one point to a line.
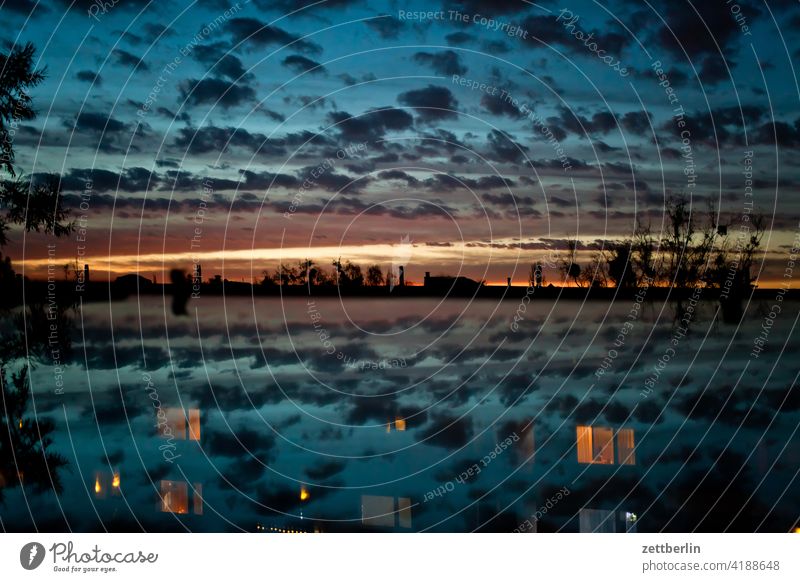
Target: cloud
459	38
91	122
371	125
442	63
219	60
217	139
637	122
431	103
127	59
503	148
254	32
489	7
213	91
130	180
386	26
89	77
300	64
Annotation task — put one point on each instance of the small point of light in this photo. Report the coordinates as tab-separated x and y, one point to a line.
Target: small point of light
304	494
115	481
97	487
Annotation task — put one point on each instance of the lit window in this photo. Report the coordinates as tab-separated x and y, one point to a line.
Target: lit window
595	445
626	453
174	497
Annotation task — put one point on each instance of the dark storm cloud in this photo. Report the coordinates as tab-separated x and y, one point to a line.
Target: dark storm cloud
442	63
130	60
258	34
386	26
432	103
211	91
300	64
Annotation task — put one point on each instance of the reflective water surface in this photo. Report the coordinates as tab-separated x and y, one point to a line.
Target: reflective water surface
414	415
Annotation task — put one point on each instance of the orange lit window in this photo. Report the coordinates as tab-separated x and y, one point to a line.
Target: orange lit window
626	453
603	445
176	424
584	444
400	423
197	501
595	445
194	424
174	497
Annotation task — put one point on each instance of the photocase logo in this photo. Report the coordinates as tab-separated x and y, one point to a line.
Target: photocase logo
31	555
401	254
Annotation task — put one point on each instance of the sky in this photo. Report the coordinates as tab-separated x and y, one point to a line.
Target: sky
466	137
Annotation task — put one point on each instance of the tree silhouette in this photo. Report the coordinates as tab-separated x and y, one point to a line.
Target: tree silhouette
17	77
25	458
35	206
374	276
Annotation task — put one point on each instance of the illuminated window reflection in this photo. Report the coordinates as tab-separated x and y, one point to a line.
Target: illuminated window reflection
595	445
175	422
175	497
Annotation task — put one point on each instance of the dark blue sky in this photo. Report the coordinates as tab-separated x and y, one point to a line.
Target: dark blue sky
205	128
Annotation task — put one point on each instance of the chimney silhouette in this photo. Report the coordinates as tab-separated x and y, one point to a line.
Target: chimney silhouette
427	278
509	281
85	275
402	276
